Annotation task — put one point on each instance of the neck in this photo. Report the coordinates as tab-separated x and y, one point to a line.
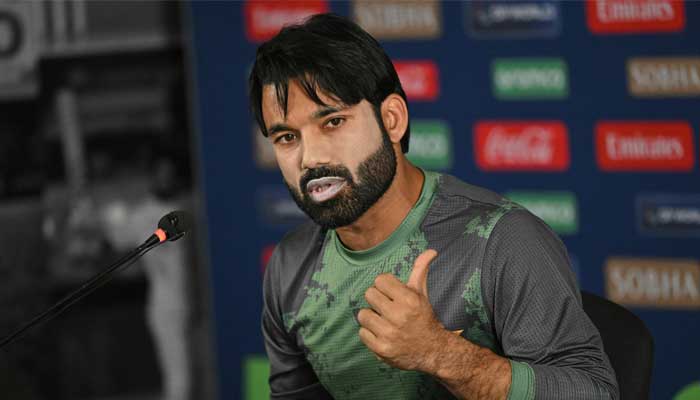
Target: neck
382	219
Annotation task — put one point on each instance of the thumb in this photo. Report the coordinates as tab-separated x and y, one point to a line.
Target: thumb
418	280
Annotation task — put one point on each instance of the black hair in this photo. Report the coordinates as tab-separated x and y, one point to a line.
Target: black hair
326	53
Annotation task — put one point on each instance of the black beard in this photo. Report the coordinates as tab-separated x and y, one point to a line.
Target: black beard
375	175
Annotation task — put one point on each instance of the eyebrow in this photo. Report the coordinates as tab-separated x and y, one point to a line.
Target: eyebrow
322	112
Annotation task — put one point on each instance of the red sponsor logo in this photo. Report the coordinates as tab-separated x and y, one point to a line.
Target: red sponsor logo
521	146
263	19
265	256
632	16
419	79
644	146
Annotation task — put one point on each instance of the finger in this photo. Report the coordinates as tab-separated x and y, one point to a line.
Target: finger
378	301
372	321
370	340
389	285
418	280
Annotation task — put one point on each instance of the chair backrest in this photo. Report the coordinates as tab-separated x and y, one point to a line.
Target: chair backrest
628	343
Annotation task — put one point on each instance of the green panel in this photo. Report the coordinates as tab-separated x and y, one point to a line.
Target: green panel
558	209
256	370
690	392
529	78
431	145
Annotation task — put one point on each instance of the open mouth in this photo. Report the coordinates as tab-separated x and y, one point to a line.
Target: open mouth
326	188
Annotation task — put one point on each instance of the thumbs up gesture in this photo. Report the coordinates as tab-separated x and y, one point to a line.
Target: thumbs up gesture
401	327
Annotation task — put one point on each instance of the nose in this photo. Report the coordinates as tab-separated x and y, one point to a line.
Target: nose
316	152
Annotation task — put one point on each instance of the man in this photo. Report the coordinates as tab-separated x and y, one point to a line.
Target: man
409	284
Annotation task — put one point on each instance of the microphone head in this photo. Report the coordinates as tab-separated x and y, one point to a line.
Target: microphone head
175	224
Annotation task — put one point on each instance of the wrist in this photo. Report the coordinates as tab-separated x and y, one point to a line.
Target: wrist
451	354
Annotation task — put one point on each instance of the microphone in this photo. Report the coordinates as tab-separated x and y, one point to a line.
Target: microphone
171	227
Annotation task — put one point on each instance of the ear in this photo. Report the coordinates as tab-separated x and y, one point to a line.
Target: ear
395	116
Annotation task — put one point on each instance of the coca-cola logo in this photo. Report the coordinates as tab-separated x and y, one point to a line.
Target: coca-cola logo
419	79
527	146
644	146
631	16
263	20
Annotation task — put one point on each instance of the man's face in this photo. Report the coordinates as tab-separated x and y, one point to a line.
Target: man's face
336	160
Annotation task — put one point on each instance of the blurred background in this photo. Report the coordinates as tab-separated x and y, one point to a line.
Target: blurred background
114	112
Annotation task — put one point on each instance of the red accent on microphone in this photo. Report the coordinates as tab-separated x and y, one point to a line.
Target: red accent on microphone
161	234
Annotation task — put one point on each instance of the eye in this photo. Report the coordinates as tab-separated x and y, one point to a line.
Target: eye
285	138
335	122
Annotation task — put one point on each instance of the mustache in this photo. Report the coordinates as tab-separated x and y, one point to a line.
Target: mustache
322	172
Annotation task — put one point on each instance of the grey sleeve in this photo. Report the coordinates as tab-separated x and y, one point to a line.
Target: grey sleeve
291	375
555	350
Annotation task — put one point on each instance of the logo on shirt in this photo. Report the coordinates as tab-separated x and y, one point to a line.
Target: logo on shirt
664	77
644	146
399	19
276	208
559	210
635	16
653	282
521	146
529	78
669	215
263	20
431	145
513	20
419	79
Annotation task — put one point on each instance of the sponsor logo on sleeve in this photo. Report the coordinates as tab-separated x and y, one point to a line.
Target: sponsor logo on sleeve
521	146
669	215
276	208
653	282
644	146
512	20
558	209
635	16
399	19
419	79
264	19
529	78
664	77
431	145
265	256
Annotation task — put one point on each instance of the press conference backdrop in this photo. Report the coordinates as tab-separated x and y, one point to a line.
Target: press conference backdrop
586	113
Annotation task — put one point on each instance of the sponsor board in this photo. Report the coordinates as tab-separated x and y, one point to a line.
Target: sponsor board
663	77
399	19
669	215
512	20
644	146
264	153
256	371
689	392
529	78
635	16
558	209
653	282
521	146
263	19
431	145
420	79
276	208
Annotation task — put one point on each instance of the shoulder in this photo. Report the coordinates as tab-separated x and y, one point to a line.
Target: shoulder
295	254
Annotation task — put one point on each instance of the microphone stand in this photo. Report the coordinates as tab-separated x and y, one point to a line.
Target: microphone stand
87	288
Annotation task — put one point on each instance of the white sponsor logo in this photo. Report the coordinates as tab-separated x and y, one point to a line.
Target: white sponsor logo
619	147
616	11
666	76
531	146
498	13
429	146
528	78
649	285
399	18
265	19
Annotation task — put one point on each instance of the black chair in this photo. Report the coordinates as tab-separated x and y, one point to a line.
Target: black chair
628	343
